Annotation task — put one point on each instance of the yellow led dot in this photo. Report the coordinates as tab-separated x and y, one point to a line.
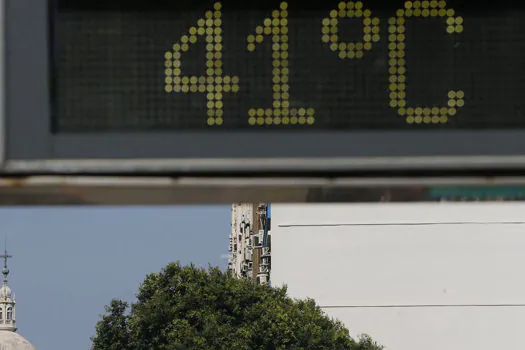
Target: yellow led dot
359	13
451	94
434	13
409	13
235	88
460	94
427	111
260	120
402	111
400	12
286	120
251	38
277	120
427	120
359	54
342	6
393	103
333	46
417	4
269	120
408	4
435	120
410	120
401	103
367	13
211	121
418	119
425	13
459	28
368	46
334	13
433	4
302	120
410	111
451	12
401	70
350	13
201	88
351	54
418	111
283	5
294	120
310	120
443	119
358	5
425	4
342	55
459	20
177	88
460	103
442	13
367	37
452	111
168	88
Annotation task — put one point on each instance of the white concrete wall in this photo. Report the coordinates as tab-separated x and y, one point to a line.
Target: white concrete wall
400	272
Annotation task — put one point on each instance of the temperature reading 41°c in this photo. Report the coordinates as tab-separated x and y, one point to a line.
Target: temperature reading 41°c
286	65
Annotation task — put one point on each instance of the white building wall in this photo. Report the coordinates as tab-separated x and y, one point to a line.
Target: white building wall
426	276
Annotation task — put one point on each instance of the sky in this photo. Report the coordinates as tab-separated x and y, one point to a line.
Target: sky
69	262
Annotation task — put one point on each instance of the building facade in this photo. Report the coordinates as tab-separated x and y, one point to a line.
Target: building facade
250	241
413	276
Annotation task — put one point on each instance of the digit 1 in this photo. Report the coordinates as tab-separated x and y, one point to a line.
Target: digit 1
214	83
350	50
397	63
280	113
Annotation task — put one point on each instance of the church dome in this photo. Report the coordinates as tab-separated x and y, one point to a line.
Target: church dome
5	292
14	341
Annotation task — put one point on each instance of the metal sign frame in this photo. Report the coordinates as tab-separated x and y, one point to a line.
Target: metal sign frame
37	167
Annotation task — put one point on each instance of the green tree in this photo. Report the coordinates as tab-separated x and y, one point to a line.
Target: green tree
184	307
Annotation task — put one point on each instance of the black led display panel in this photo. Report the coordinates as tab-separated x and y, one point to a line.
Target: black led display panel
164	65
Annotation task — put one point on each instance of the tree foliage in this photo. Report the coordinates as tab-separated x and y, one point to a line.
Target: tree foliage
184	307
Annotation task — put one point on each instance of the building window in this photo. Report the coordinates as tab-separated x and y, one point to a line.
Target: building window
9	313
